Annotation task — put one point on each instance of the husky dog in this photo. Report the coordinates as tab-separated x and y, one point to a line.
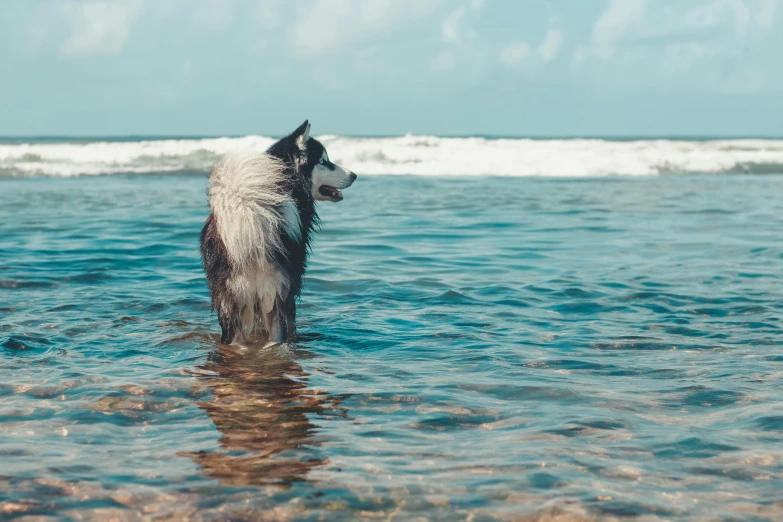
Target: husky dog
255	242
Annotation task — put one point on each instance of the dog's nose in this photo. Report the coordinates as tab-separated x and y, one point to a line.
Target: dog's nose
353	177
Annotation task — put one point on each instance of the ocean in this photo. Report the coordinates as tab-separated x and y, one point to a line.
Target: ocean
490	330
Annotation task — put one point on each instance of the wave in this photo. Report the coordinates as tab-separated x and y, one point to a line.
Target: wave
414	155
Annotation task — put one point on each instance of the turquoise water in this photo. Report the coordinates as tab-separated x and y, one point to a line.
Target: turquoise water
470	349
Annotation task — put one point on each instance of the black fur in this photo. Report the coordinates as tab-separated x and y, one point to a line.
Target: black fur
217	266
292	260
299	181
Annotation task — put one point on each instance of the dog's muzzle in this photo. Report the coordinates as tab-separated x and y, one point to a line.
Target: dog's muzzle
333	193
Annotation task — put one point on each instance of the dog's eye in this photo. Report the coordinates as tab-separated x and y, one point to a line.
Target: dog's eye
322	162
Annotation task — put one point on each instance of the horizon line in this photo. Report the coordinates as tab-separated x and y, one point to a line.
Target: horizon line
607	137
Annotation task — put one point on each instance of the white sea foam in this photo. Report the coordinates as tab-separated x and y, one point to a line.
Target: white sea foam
417	155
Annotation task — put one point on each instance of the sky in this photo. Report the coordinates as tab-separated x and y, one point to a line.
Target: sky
390	67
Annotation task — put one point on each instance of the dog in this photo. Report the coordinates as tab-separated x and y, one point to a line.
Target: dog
256	240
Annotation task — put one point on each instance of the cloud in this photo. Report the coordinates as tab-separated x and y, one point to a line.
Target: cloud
451	28
326	26
98	27
268	13
696	46
458	25
550	47
461	45
614	23
766	15
213	15
519	52
515	53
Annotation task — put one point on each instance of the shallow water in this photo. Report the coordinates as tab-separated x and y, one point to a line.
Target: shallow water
470	349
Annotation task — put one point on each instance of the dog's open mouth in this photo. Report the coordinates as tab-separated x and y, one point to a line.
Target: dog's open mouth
330	192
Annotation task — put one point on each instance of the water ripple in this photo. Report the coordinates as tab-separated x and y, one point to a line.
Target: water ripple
540	350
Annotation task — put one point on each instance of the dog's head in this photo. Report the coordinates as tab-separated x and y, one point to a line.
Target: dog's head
327	178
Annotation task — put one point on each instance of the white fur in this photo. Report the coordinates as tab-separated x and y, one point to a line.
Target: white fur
262	285
246	201
251	210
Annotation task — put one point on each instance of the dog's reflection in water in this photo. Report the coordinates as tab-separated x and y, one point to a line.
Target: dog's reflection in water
262	405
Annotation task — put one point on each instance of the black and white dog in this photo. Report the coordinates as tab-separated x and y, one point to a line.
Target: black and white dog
255	242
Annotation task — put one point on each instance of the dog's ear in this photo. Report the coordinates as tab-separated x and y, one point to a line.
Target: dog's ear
302	134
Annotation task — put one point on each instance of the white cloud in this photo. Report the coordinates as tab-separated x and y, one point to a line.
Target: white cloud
766	15
519	52
213	14
614	22
461	44
268	13
98	27
515	53
329	25
550	47
712	45
458	25
451	28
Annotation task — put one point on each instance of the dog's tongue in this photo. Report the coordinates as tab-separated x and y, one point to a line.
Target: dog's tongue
330	192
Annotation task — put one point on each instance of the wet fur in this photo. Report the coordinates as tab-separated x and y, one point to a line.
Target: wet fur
254	244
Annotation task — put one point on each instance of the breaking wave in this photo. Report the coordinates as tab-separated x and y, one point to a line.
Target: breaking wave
415	155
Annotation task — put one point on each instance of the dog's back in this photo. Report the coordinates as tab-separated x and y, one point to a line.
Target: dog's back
241	239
